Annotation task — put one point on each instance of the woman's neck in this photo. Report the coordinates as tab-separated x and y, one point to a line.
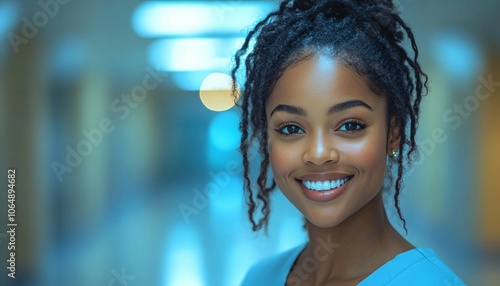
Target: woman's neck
352	250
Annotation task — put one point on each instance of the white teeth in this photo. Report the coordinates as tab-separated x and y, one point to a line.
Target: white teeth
316	186
324	185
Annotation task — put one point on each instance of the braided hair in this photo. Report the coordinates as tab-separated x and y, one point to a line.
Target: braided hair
366	35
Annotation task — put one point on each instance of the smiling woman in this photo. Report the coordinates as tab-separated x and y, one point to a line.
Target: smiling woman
327	134
332	98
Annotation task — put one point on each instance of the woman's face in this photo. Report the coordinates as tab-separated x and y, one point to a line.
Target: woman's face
328	139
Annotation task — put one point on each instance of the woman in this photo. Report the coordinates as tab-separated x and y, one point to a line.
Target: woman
333	100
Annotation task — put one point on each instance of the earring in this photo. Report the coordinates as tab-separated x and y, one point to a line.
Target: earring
395	152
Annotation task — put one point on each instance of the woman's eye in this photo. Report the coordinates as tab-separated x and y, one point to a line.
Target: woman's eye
352	126
290	129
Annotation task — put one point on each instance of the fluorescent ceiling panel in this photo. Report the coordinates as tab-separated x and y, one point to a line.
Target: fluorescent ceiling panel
197	18
193	54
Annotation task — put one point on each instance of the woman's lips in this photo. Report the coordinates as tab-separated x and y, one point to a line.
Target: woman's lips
323	176
324	190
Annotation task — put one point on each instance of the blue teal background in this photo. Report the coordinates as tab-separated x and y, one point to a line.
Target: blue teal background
156	198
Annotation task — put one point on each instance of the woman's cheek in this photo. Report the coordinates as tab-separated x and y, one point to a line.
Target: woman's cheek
282	156
364	154
278	159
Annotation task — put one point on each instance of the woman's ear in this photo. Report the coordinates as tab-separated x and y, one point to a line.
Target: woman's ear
393	137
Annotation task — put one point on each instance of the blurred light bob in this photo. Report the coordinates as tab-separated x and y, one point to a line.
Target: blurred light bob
215	92
9	14
193	54
458	55
223	132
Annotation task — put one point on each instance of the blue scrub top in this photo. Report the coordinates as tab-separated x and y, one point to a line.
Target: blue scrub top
419	266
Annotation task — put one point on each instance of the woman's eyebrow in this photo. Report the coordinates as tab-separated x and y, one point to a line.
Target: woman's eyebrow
289	109
336	108
348	104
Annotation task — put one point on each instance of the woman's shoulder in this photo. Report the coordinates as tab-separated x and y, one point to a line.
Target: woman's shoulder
274	269
419	266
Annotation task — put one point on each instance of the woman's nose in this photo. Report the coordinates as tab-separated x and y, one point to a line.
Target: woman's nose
320	150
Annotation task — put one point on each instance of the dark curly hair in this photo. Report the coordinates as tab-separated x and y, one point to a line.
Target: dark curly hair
367	36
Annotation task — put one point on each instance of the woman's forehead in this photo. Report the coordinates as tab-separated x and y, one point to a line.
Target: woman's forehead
321	78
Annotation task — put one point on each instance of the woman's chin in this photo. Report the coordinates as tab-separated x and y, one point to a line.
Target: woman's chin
323	222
